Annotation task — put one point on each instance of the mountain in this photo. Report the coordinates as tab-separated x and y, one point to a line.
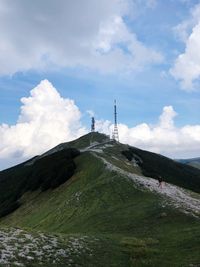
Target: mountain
96	202
195	162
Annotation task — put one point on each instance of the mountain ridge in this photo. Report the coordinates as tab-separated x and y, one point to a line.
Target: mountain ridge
40	174
127	216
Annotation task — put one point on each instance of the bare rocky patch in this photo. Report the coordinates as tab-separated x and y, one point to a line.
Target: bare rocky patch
20	248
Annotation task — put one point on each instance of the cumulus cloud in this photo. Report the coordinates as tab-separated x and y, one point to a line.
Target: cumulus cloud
46	119
163	138
186	68
91	33
167	117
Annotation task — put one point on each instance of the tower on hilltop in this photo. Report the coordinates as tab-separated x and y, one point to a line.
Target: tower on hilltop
93	125
115	134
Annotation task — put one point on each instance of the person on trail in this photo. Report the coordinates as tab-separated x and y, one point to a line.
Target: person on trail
160	181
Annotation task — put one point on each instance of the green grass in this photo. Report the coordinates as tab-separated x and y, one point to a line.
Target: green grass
128	221
39	249
45	173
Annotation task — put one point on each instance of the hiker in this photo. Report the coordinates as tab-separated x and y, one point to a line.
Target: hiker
160	181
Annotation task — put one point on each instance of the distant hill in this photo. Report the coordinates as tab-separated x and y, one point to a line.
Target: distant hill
194	162
97	202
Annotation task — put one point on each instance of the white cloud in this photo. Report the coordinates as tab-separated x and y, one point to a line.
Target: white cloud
164	138
110	45
46	119
91	33
186	68
184	29
166	118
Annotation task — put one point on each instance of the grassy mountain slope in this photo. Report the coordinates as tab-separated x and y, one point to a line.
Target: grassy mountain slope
128	224
44	173
149	164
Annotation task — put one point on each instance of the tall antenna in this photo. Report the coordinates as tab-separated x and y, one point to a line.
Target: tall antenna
115	131
93	125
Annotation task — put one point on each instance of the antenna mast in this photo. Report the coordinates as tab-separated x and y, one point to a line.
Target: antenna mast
93	125
115	132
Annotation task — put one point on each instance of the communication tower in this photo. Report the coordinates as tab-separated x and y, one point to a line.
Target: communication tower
115	134
93	125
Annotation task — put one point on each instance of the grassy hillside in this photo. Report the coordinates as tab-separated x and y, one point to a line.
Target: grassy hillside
44	173
81	143
125	225
149	164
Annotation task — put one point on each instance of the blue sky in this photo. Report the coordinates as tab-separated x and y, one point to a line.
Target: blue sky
141	53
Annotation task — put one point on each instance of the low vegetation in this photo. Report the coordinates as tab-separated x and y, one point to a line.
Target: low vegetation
43	173
115	222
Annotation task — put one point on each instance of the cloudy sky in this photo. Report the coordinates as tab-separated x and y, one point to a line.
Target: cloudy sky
62	61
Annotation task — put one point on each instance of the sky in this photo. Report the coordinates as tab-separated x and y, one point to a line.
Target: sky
65	61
